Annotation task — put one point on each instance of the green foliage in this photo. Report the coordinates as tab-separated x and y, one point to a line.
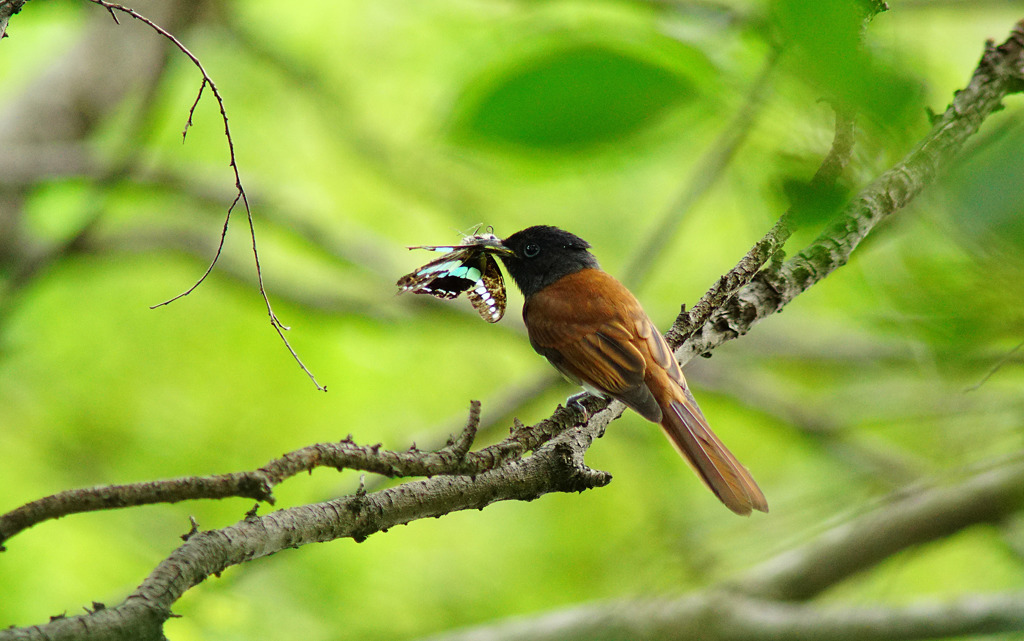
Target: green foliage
572	99
989	217
825	40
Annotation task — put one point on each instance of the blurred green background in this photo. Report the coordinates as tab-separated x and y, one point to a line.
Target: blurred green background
364	127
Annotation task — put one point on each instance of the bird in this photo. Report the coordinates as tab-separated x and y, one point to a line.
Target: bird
593	330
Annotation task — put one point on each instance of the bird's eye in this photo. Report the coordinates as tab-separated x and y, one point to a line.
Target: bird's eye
531	250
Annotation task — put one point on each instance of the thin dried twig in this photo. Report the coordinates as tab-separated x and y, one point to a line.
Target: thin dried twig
240	195
995	368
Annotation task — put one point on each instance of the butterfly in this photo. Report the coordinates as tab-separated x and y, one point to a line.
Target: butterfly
469	267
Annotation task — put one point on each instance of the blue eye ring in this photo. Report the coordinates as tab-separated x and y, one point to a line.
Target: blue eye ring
531	250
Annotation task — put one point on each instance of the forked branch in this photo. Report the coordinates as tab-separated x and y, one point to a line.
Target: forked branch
455	458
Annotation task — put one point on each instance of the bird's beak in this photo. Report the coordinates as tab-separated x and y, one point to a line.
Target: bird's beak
495	246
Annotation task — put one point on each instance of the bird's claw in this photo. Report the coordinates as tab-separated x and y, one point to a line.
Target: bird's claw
576	402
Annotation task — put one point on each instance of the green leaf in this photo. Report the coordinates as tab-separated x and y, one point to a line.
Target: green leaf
569	99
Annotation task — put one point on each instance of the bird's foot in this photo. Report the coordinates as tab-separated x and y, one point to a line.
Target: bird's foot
576	402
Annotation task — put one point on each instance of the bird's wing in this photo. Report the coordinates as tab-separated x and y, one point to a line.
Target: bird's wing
592	338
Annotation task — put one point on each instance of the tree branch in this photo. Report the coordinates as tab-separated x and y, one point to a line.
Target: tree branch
803	573
240	196
999	73
721	616
556	467
754	607
7	9
763	250
452	459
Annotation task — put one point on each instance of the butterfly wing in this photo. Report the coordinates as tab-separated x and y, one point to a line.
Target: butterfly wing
445	277
488	294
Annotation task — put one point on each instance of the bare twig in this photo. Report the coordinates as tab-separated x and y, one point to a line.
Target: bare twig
110	497
995	368
240	195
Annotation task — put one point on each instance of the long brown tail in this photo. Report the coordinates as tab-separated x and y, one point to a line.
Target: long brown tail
685	426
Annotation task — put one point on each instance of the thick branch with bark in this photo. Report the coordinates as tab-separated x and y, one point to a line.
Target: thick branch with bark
455	458
7	9
556	467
